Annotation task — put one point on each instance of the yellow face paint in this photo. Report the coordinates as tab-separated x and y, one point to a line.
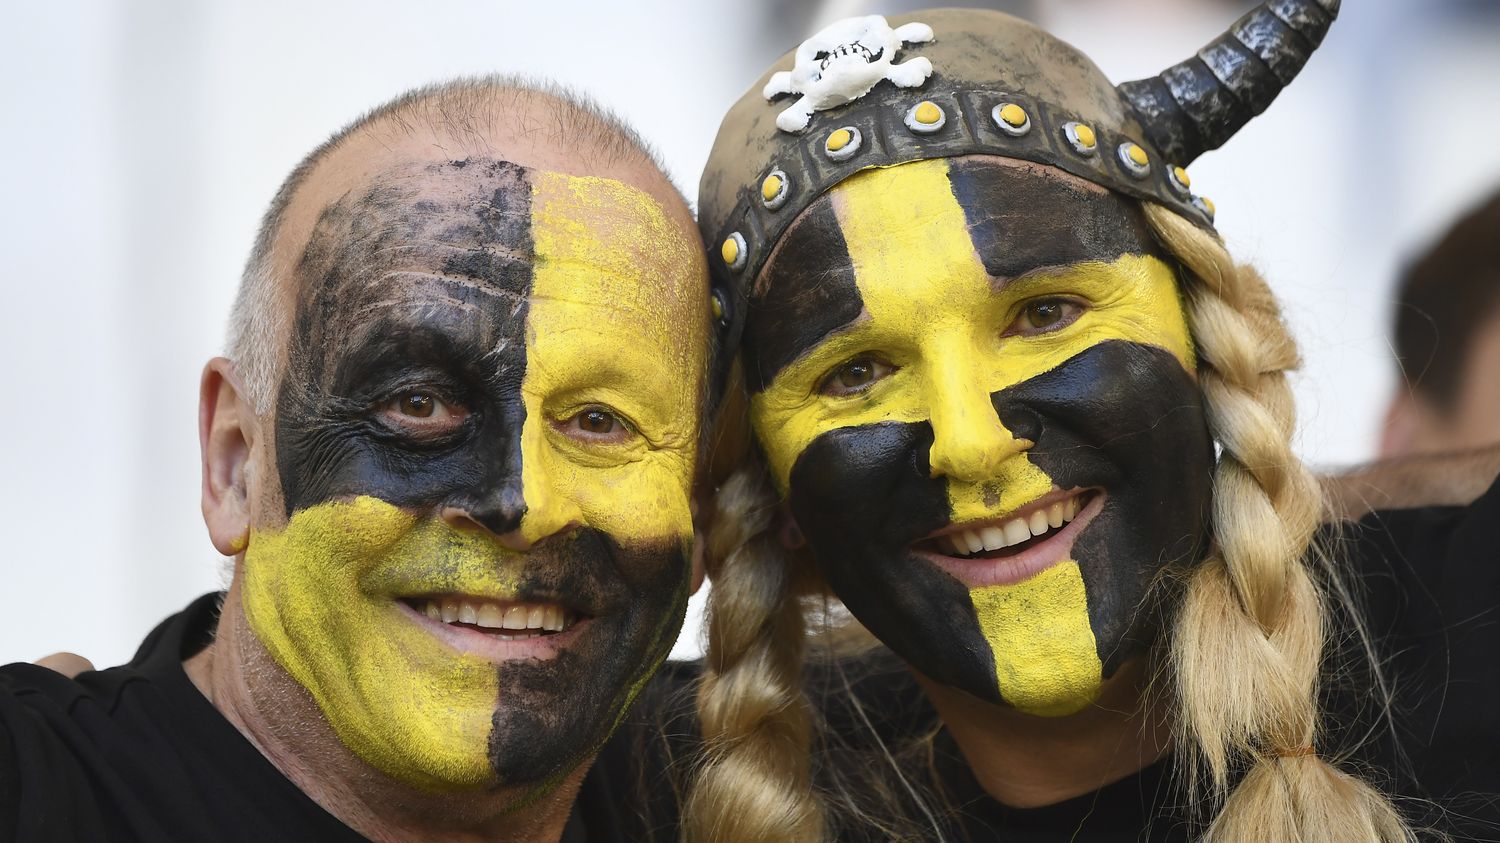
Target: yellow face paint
520	302
1046	660
942	326
319	595
617	320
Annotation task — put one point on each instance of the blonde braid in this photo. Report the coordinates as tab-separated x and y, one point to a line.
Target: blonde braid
1247	644
754	785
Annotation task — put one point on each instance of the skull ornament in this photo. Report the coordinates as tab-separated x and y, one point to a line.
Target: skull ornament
842	62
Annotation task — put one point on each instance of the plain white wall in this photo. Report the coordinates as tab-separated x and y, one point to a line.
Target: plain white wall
143	140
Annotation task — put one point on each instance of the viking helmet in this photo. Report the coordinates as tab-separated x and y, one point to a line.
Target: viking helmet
866	93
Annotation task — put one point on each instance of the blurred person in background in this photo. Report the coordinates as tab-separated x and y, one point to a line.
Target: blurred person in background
1438	444
1447	332
451	453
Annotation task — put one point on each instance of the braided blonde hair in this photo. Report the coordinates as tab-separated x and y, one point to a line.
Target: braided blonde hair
1244	650
755	783
1247	644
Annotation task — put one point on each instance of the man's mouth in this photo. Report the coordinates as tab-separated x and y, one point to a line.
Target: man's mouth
1015	546
496	630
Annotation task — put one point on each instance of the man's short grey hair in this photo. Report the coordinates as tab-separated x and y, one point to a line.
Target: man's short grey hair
462	109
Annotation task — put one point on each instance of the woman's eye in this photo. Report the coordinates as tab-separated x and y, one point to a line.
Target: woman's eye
1044	315
855	376
598	424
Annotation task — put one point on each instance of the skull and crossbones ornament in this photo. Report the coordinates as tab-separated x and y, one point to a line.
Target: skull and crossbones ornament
842	62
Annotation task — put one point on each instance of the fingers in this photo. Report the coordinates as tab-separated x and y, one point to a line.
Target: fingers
68	664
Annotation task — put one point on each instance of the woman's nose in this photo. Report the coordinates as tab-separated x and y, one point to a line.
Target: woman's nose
969	441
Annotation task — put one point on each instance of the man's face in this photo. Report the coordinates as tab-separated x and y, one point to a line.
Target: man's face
973	381
484	442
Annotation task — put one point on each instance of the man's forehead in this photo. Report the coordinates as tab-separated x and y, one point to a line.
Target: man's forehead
488	219
413	161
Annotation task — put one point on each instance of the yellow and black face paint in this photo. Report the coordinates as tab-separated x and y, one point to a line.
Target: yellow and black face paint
525	298
920	272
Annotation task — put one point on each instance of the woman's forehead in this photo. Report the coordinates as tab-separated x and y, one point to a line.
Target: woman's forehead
924	233
1019	217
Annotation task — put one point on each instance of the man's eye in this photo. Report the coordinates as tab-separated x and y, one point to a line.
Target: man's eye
1044	315
597	424
597	421
423	413
855	376
418	405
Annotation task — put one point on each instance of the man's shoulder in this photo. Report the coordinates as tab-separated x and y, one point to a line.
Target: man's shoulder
137	753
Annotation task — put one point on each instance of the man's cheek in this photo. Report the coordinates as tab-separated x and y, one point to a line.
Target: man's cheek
642	502
319	595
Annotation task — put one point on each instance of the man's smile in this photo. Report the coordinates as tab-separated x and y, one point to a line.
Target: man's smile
496	631
1015	546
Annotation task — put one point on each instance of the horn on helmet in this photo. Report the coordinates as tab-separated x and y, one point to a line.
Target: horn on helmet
1199	104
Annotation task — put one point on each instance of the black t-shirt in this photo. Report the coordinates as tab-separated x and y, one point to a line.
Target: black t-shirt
137	753
1427	584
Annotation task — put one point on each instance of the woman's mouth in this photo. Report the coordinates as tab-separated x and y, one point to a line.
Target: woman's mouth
1016	546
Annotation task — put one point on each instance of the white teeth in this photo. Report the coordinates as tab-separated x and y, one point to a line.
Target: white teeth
993	538
1016	531
973	540
490	616
1038	523
532	617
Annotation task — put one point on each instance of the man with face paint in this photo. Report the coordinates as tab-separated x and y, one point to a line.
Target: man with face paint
452	452
1029	424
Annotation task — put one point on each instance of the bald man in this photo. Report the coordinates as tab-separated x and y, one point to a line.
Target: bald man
451	453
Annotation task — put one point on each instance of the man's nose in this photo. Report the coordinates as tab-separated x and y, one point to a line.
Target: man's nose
500	511
522	502
969	442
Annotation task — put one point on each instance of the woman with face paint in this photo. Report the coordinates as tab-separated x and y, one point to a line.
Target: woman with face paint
1029	423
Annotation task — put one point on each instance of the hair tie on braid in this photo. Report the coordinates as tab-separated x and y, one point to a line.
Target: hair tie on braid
1297	752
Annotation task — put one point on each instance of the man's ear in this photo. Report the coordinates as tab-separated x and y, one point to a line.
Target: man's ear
226	433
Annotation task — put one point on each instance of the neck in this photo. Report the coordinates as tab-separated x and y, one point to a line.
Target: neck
1026	761
281	719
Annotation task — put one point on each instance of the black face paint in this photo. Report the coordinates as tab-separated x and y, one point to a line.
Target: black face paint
420	281
810	298
1121	417
556	714
1021	222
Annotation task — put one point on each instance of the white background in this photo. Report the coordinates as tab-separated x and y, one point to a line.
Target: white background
140	142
